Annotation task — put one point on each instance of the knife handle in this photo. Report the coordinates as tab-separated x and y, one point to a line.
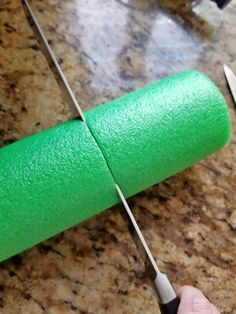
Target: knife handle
168	299
170	307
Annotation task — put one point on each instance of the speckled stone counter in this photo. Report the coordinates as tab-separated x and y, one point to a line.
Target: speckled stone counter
108	48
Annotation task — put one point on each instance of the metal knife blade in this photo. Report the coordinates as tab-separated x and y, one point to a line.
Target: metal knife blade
231	79
161	284
52	61
167	297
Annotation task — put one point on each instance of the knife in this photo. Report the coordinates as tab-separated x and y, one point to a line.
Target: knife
166	295
52	62
231	79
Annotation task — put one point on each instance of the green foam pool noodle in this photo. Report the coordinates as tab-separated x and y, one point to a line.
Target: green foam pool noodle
161	129
48	183
62	176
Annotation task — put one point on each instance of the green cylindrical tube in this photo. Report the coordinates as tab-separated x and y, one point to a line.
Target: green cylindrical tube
50	182
159	130
62	176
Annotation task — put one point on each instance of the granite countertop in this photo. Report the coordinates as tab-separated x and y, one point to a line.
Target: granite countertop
108	48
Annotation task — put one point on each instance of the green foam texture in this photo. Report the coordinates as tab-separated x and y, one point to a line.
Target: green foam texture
51	181
161	129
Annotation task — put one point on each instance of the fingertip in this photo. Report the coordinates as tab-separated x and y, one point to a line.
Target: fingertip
200	304
181	290
186	289
192	300
214	309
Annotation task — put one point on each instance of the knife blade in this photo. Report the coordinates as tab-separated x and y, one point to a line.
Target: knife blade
52	62
231	79
167	298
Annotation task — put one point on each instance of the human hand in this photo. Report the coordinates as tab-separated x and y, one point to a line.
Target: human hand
192	301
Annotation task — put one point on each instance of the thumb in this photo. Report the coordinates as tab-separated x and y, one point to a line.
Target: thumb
194	302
